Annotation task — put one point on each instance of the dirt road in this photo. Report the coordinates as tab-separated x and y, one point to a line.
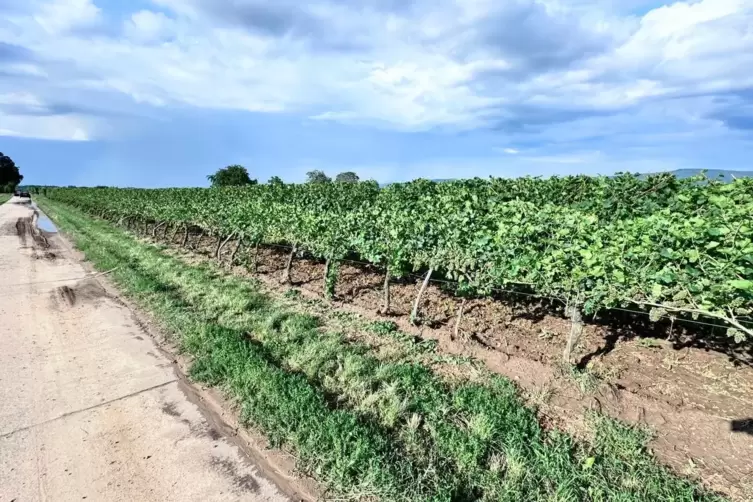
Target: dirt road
89	407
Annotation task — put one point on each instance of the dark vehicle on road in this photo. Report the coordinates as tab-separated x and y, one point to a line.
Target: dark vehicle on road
23	195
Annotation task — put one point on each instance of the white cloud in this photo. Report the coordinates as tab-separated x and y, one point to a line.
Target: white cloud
23	114
510	151
59	128
417	65
20	98
690	46
585	162
59	16
146	26
573	158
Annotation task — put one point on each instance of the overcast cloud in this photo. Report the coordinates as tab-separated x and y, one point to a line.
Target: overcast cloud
539	80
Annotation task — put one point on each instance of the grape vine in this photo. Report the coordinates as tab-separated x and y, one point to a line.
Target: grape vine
667	245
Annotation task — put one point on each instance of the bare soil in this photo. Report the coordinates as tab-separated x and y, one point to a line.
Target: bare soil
693	392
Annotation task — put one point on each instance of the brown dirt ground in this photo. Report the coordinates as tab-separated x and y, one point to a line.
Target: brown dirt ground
695	395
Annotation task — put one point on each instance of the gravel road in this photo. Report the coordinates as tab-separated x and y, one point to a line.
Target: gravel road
90	409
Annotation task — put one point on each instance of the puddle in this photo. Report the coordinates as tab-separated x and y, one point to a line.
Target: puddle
43	222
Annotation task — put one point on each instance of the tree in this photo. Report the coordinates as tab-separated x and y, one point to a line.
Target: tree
275	180
231	176
317	176
347	177
10	177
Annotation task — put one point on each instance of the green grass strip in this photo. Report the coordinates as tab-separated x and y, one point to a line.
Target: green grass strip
366	427
4	197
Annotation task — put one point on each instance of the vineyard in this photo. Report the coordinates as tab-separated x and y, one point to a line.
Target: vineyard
672	247
379	410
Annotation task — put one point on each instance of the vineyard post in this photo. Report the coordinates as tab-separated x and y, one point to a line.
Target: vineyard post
417	303
459	319
576	329
671	336
185	235
286	273
386	297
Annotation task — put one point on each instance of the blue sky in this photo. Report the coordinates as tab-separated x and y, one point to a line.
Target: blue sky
164	92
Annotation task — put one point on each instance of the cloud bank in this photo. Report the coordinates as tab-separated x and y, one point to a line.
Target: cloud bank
538	73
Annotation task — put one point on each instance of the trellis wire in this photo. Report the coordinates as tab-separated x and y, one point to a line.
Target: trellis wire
748	324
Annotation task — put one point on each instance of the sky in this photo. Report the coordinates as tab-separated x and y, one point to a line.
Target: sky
155	93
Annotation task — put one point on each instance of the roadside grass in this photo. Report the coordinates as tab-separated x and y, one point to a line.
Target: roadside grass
365	427
4	197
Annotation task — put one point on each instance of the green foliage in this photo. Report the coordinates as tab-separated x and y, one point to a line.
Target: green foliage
275	180
347	177
383	327
231	176
317	176
10	176
678	245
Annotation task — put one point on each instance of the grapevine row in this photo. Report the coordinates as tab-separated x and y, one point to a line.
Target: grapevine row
593	242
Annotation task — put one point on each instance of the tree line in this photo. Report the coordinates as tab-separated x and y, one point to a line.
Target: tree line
237	175
234	175
10	176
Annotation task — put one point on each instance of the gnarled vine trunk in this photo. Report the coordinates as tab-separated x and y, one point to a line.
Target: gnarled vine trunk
157	227
218	246
256	257
327	271
235	251
198	241
175	233
218	254
331	269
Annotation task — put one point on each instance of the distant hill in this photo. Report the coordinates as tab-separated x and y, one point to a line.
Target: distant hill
713	173
687	173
